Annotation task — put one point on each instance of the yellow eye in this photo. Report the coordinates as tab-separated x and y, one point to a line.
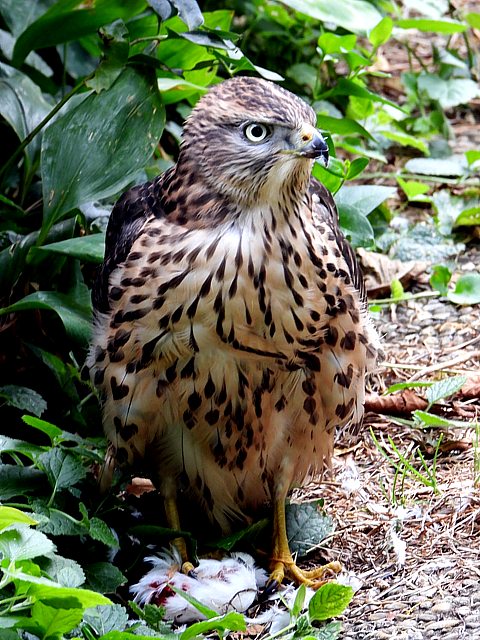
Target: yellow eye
256	132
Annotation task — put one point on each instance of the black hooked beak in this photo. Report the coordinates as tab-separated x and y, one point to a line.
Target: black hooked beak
315	148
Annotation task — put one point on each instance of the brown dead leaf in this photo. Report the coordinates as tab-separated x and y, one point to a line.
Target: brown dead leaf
379	271
397	404
139	486
471	388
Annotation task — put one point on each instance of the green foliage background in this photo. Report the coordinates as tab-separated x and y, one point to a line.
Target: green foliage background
92	99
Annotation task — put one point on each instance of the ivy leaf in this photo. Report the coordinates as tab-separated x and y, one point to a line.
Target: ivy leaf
329	601
23	398
467	290
306	527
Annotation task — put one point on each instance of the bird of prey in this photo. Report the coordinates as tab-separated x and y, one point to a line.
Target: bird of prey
231	336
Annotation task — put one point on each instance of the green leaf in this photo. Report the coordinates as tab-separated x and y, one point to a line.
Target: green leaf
299	601
306	527
467	290
441	276
10	515
231	621
188	11
424	419
406	385
342	126
75	315
46	427
86	248
65	571
23	543
79	145
71	20
345	87
354	204
449	92
22	104
356	16
105	618
356	167
18	481
435	26
468	217
404	139
104	577
10	445
50	622
329	601
381	32
472	157
473	19
100	531
444	388
63	468
247	534
23	398
397	290
411	188
115	48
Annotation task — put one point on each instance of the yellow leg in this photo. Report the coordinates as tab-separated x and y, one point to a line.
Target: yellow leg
282	564
173	520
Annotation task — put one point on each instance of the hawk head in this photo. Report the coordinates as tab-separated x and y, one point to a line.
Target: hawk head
250	139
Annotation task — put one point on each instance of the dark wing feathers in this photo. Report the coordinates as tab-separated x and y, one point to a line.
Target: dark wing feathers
325	210
126	222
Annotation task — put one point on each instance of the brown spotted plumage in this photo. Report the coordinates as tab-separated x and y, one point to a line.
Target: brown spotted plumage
231	334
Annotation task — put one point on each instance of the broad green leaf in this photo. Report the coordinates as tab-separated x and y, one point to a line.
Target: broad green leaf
467	290
126	635
354	204
46	427
23	398
329	601
307	526
434	26
63	469
381	32
449	93
231	621
356	167
444	388
425	419
441	276
19	481
299	601
468	218
397	290
65	571
54	522
210	614
345	87
404	139
86	156
356	16
51	622
104	577
455	165
473	20
23	543
105	618
10	515
70	20
22	104
473	157
411	188
76	317
327	177
86	248
342	126
18	14
247	535
332	43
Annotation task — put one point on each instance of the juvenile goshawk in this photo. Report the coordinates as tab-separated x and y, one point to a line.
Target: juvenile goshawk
231	335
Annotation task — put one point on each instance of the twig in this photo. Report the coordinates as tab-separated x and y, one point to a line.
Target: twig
440	366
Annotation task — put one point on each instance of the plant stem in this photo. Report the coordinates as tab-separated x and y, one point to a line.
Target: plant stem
406	297
158	38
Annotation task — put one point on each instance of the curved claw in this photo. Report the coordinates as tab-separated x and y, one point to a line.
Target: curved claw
270	588
189	570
